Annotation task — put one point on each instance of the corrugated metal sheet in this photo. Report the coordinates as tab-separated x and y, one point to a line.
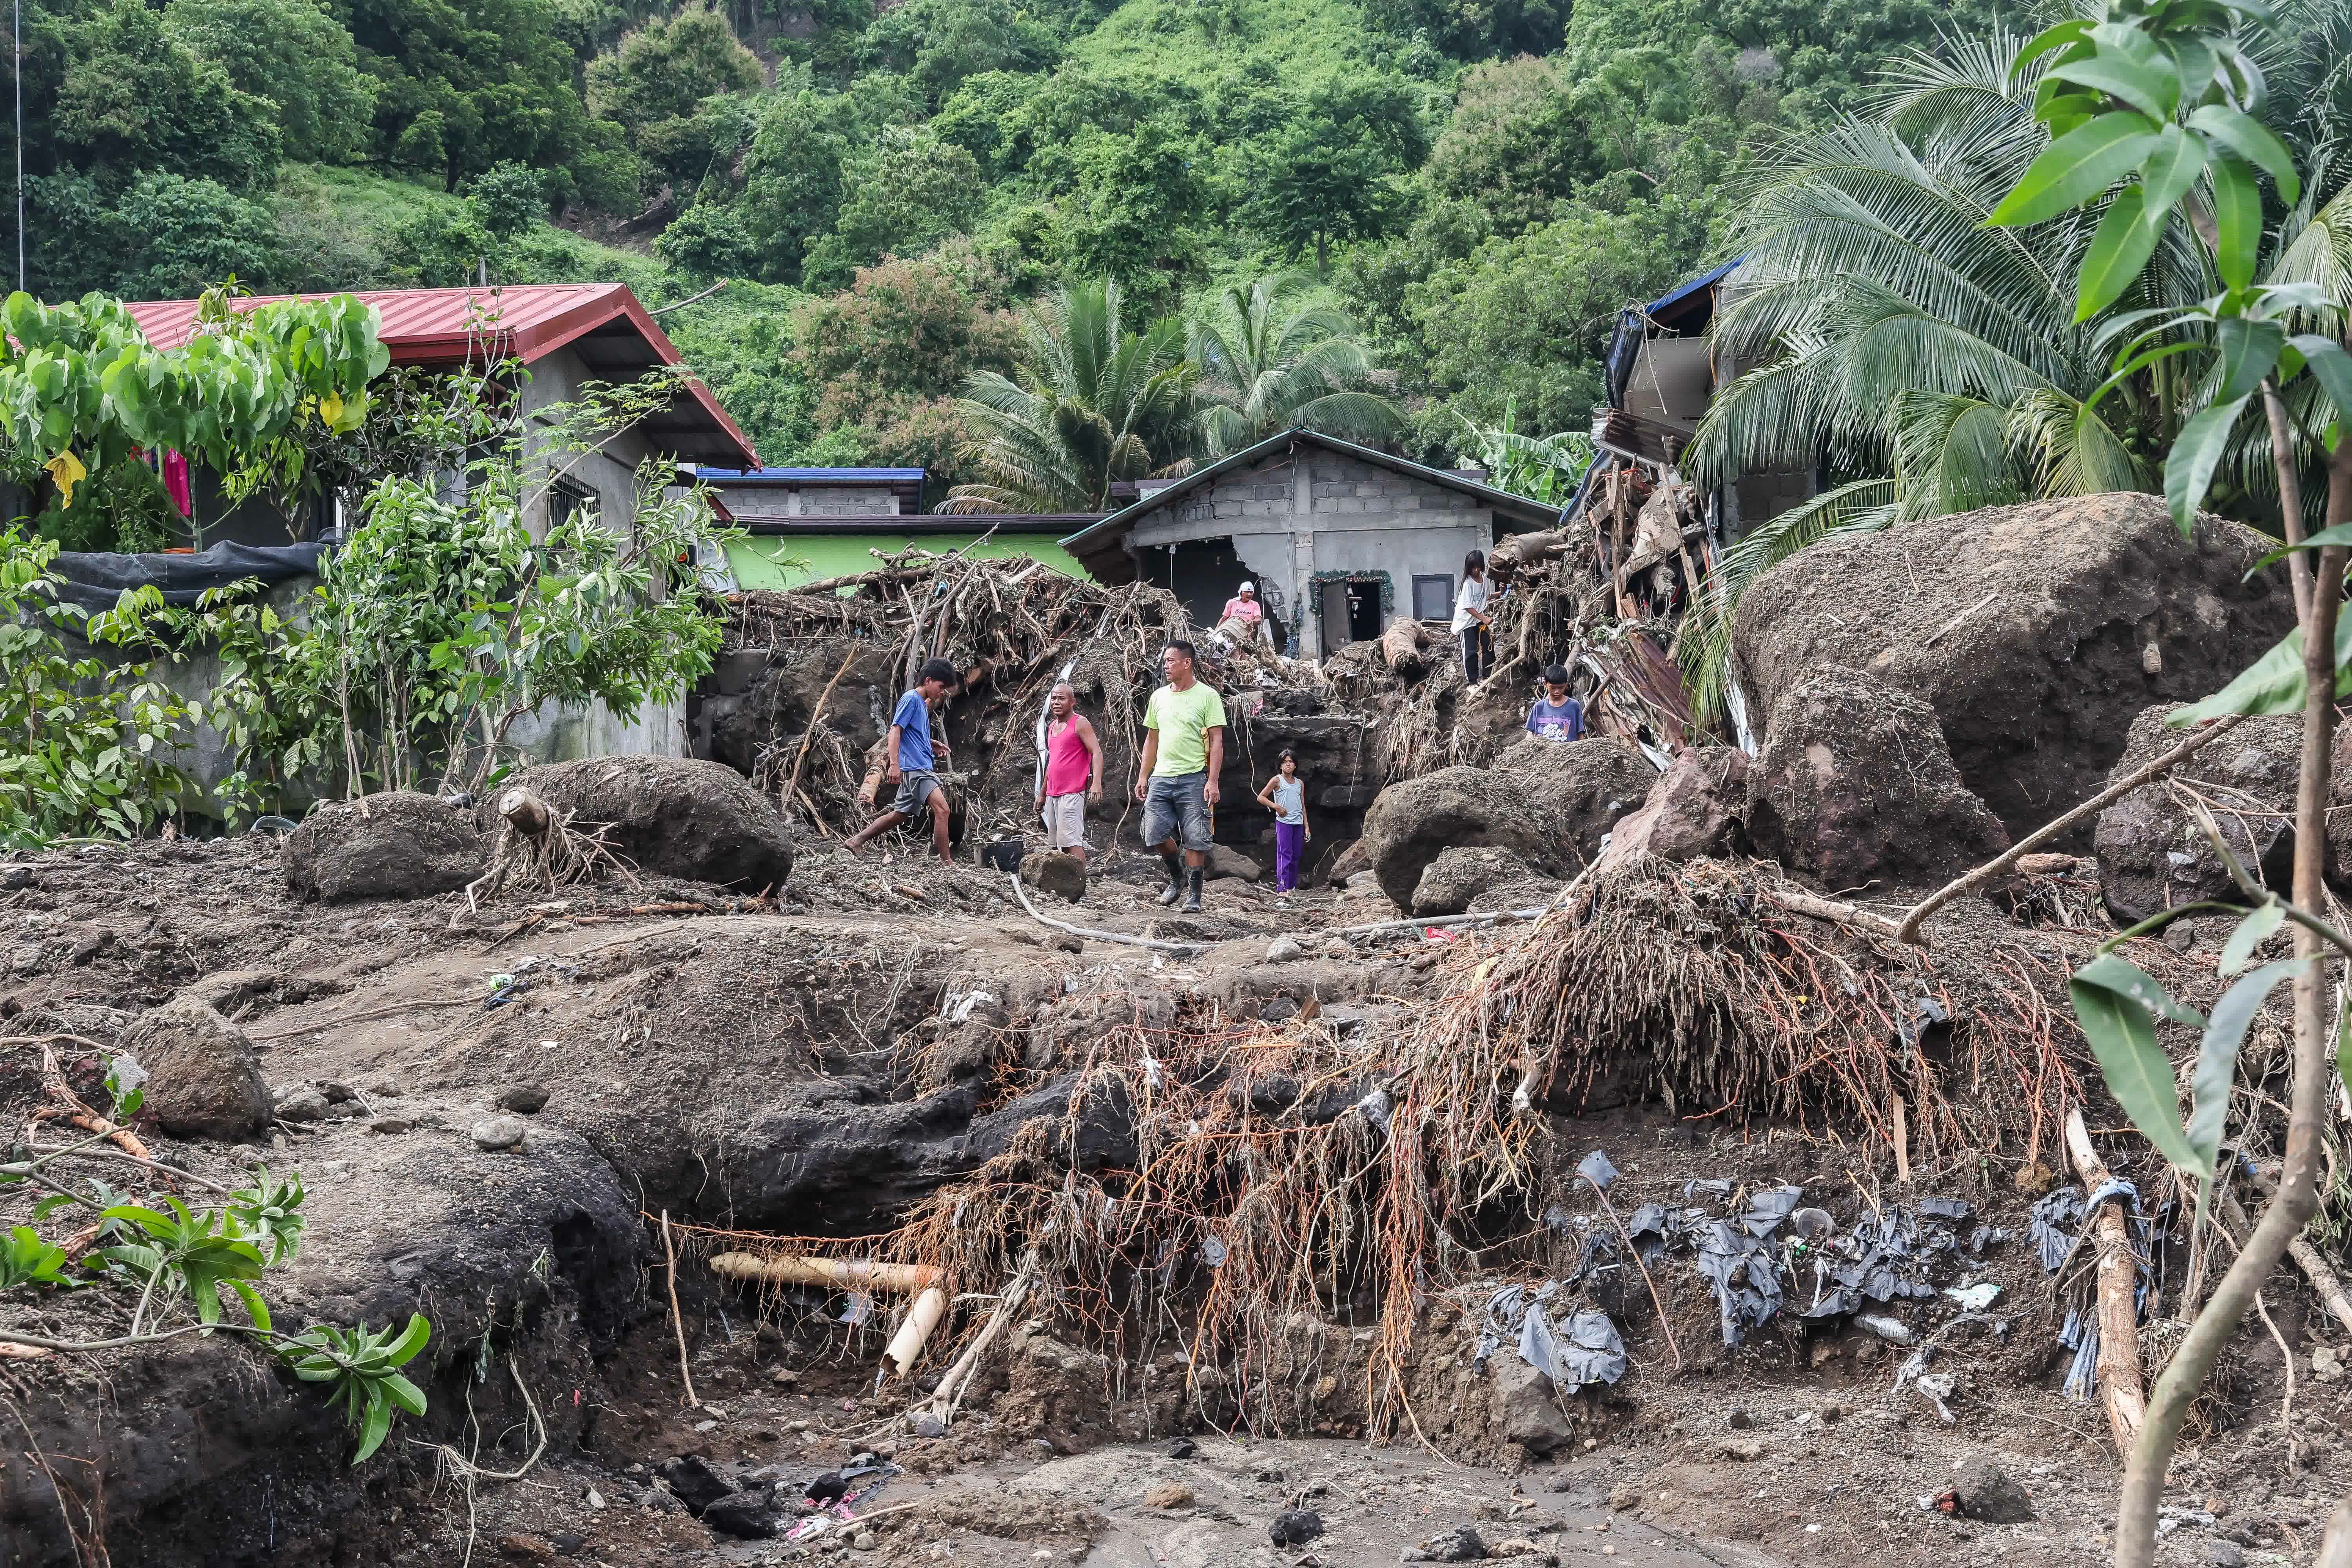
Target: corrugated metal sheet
453	326
816	476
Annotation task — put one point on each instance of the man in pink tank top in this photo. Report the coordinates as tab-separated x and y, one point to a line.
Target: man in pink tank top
1072	773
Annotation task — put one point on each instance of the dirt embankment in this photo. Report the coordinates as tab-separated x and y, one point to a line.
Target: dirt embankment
1262	1187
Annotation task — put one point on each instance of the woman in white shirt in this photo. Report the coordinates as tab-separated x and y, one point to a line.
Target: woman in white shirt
1470	618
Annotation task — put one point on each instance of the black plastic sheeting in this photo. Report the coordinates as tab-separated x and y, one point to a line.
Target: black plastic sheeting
1585	1347
1885	1257
95	581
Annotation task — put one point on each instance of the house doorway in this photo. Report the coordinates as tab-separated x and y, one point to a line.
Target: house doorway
1350	610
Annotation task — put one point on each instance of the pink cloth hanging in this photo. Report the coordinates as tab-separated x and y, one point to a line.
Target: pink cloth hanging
175	481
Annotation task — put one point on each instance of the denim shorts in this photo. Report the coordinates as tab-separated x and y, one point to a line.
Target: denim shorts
1177	806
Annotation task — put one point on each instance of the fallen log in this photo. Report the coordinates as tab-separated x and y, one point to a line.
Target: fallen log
525	812
2119	1378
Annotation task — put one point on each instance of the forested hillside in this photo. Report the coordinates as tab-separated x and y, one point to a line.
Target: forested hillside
1478	184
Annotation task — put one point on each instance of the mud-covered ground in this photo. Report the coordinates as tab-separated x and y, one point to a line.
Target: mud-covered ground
813	1069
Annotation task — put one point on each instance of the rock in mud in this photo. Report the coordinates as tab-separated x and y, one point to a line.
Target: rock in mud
2037	633
524	1098
747	1516
2153	855
1295	1527
1588	784
693	1481
1457	876
1856	789
1224	861
1356	857
1525	1410
1460	1544
397	845
203	1080
492	1133
1414	822
1051	871
1699	806
1984	1491
674	817
300	1102
1169	1494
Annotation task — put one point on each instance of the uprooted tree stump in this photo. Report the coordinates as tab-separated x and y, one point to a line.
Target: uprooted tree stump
538	847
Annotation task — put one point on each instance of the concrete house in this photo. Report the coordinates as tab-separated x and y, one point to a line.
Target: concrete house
808	524
1340	538
564	335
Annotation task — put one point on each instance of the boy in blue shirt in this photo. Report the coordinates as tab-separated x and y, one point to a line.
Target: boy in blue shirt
1556	715
908	752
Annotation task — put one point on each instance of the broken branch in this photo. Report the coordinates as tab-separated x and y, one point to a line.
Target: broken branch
1999	865
2118	1272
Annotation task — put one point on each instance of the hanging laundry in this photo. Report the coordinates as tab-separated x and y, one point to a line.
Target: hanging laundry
176	481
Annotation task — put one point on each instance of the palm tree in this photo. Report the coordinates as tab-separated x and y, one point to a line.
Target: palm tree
1932	361
1270	359
1093	404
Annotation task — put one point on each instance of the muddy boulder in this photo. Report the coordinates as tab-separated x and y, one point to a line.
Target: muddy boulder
674	817
397	845
2036	633
1458	876
2153	853
1051	871
1587	785
1526	1410
1856	789
203	1079
1699	806
1414	822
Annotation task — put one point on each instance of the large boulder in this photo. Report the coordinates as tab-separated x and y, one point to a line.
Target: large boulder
674	817
203	1079
2036	633
2153	855
1414	822
1698	808
1856	789
1589	785
1459	875
397	845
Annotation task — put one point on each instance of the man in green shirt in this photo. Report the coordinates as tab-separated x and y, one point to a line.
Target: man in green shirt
1183	750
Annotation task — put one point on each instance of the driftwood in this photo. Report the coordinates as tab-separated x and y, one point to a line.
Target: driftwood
525	812
1120	938
2324	1281
1523	549
2119	1379
1405	649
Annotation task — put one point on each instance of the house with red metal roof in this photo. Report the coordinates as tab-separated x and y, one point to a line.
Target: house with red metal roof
565	335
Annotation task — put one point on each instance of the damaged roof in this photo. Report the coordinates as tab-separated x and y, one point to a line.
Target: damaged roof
604	324
1102	547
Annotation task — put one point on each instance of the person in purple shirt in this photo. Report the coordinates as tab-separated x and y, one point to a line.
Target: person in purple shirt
1556	715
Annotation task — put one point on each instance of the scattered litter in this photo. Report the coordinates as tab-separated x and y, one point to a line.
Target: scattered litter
1938	1387
1892	1329
1974	1298
1586	1349
1595	1168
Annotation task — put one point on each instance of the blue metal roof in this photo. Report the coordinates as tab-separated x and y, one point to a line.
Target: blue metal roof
1676	296
819	476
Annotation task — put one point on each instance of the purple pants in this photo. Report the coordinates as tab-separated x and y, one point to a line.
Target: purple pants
1289	848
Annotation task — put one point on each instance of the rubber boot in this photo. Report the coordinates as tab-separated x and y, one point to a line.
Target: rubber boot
1193	877
1175	887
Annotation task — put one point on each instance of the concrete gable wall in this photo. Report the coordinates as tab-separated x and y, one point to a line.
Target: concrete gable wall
1316	511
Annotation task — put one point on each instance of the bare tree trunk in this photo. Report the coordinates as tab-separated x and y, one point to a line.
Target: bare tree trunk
2298	1193
2298	565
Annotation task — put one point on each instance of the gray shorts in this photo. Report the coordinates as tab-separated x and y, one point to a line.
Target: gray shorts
1177	806
915	791
1066	821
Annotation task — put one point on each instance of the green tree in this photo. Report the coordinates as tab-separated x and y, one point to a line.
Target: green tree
296	56
907	333
940	43
463	84
664	69
915	193
709	240
1137	200
793	184
1090	402
175	237
1477	29
1271	359
1329	173
1516	143
508	198
135	96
